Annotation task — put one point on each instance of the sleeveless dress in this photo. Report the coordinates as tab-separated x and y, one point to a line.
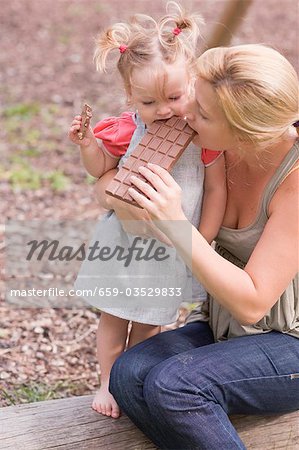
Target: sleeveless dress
236	245
189	174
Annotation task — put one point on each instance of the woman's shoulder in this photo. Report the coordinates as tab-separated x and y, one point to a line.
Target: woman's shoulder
116	132
287	191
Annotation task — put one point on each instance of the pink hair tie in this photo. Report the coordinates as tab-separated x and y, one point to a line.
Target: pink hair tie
176	31
122	48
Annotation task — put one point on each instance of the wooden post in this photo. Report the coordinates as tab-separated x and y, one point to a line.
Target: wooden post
233	13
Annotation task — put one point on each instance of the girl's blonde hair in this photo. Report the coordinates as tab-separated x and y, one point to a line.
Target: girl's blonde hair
257	89
142	40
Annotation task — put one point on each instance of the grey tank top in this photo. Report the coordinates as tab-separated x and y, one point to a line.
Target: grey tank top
236	246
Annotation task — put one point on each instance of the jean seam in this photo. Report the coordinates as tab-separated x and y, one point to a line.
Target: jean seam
225	429
207	389
222	425
243	379
258	378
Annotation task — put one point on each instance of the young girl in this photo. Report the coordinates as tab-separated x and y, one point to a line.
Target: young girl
155	60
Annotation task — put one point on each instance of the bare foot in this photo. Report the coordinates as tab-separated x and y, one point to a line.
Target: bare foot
104	403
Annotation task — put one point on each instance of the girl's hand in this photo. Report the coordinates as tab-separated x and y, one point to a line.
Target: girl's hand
161	199
73	133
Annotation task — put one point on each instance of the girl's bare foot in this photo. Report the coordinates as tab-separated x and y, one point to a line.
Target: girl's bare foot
104	403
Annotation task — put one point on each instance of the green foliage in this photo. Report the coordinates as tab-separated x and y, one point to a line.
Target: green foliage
32	136
31	152
23	123
24	110
31	130
25	177
58	181
22	175
36	392
12	124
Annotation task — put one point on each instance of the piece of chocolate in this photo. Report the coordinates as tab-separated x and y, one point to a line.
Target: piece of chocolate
163	144
86	116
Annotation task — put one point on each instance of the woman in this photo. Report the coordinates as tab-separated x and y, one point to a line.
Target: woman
241	353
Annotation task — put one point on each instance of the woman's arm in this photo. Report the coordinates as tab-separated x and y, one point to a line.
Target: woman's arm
214	199
247	294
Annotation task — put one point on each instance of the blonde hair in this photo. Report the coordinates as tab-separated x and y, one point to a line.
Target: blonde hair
257	89
145	39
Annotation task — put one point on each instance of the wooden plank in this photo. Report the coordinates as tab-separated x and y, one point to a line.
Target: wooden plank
70	424
279	432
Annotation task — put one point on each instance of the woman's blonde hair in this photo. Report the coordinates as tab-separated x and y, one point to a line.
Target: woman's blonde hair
142	40
257	89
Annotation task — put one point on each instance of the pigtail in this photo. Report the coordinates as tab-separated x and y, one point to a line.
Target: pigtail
116	37
144	22
133	42
143	39
179	29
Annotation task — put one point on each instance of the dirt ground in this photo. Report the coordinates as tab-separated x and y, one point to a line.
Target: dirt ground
46	73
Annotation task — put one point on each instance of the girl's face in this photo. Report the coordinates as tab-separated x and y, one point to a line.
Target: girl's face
206	117
160	94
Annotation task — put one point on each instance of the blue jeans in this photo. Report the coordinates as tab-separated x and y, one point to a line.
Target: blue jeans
178	387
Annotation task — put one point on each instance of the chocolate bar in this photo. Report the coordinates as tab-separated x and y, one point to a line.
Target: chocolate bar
163	144
86	116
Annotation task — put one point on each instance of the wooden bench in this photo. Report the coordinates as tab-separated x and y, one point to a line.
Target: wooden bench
70	424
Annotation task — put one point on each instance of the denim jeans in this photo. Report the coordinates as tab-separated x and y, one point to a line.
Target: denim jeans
178	387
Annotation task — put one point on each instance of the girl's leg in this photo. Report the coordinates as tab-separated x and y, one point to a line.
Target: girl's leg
111	340
132	367
141	331
189	396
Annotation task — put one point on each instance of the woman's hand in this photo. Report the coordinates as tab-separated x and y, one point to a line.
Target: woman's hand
137	221
162	198
134	220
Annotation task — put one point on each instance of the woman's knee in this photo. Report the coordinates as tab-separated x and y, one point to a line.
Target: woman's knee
131	367
162	386
176	382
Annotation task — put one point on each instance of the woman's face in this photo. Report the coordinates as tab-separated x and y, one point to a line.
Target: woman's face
206	117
